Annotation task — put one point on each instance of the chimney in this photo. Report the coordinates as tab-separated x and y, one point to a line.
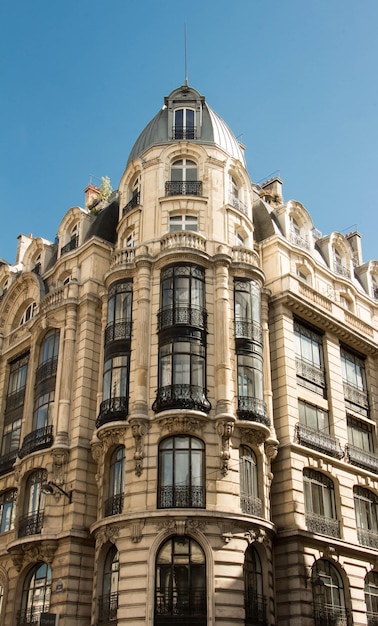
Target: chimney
272	191
354	240
92	196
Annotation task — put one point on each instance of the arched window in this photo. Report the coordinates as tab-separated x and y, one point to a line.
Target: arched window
114	504
28	313
184	179
180	584
32	521
181	473
340	264
120	302
254	600
366	511
7	510
249	493
248	311
73	239
108	601
371	597
320	504
35	594
184	127
328	594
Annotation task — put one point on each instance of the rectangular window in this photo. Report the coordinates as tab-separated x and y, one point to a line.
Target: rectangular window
309	358
313	417
360	434
354	381
183	222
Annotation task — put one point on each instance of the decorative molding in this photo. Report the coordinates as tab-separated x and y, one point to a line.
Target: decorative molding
136	530
33	552
253	436
105	534
111	437
225	429
255	534
181	424
139	429
60	459
181	526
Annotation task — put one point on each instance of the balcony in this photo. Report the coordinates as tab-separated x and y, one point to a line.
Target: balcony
356	398
116	331
183	239
248	329
30	524
7	462
310	376
112	410
322	525
114	505
372	618
107	609
38	439
255	609
180	606
299	241
71	245
250	505
338	268
183	188
238	204
368	538
181	397
179	497
185	132
362	458
319	441
135	201
15	400
330	615
182	315
252	410
46	370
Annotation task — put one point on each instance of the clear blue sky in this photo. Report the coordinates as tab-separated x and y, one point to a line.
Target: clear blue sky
296	79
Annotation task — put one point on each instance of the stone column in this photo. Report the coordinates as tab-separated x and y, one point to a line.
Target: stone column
68	362
222	322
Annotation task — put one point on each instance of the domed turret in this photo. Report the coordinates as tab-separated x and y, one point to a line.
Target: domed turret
186	116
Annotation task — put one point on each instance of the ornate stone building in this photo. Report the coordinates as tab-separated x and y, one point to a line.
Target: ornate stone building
151	359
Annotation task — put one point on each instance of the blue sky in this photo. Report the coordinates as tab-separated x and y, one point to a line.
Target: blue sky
295	79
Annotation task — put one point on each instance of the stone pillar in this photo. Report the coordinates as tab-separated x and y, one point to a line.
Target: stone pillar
68	361
268	394
222	322
142	337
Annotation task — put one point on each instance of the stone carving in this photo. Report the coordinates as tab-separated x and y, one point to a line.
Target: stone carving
253	436
139	429
225	430
112	437
60	459
136	530
105	534
33	552
255	534
181	424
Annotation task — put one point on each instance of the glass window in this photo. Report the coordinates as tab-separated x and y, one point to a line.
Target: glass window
28	313
354	378
313	417
360	434
14	405
309	358
250	376
184	179
320	507
366	511
180	584
119	313
183	222
108	601
184	124
116	375
32	521
329	605
248	313
371	597
114	504
255	602
249	494
181	473
36	594
7	510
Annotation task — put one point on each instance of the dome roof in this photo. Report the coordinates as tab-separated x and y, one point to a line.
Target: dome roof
209	127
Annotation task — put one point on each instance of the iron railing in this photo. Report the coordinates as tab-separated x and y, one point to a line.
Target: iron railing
7	461
112	409
183	188
185	132
178	497
248	329
15	400
252	410
114	331
317	440
251	505
309	373
330	615
38	439
338	268
135	201
368	538
46	370
32	615
107	609
372	618
71	245
357	398
114	505
361	458
30	524
185	315
188	605
299	241
181	396
255	609
322	525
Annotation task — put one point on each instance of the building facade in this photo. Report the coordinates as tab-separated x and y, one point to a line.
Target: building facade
187	402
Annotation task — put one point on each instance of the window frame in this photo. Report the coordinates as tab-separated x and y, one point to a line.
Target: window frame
31	592
309	358
174	489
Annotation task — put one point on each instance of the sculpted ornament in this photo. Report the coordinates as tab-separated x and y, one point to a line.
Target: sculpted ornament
139	429
108	533
255	534
181	424
112	437
225	430
253	436
60	459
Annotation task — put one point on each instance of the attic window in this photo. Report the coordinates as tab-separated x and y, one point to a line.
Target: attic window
184	127
28	313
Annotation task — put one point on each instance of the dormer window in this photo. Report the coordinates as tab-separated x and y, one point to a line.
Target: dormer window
184	127
339	264
73	242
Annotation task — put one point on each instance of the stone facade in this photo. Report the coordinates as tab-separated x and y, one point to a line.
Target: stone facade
187	402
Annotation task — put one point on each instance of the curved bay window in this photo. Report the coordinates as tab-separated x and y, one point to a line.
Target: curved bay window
328	595
108	601
181	473
366	511
180	584
248	312
371	597
114	405
35	595
32	521
320	506
184	179
250	502
114	504
182	340
254	600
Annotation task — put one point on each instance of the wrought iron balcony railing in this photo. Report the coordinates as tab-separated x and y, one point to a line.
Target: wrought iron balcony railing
181	397
183	188
238	204
135	201
318	440
356	398
322	525
252	410
178	497
338	268
114	505
46	370
372	618
330	615
31	615
115	331
71	245
250	504
310	375
107	608
7	462
185	132
112	410
182	604
38	439
30	524
183	315
368	538
255	609
248	329
15	400
361	458
299	241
